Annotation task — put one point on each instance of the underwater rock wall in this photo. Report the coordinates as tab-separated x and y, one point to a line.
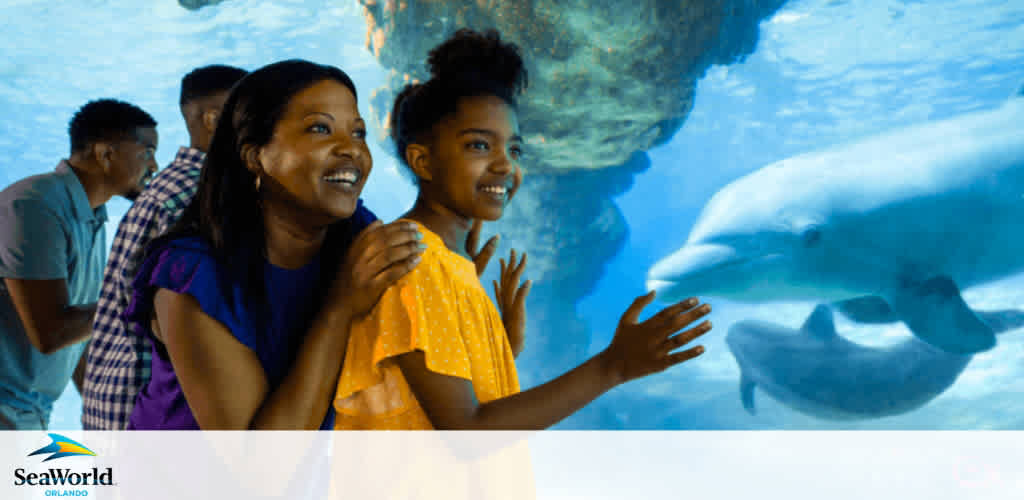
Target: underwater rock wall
609	79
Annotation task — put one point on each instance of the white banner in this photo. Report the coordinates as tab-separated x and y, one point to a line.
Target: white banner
512	465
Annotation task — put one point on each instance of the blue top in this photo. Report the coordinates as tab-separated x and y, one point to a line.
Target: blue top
48	231
274	334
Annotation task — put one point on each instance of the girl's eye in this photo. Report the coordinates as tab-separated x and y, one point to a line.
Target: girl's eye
479	145
515	153
360	133
319	128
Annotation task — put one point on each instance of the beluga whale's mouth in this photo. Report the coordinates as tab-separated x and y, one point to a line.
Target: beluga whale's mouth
700	268
693	261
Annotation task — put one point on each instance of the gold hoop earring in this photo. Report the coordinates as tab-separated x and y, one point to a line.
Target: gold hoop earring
258	183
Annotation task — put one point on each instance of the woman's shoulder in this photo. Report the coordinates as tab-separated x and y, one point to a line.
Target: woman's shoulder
176	262
185	244
185	266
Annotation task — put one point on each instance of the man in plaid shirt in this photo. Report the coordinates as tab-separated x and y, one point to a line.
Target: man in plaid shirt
118	361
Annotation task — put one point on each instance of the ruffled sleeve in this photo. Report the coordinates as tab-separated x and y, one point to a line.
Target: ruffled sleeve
418	313
184	266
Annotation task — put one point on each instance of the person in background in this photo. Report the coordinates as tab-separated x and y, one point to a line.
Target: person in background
52	250
117	361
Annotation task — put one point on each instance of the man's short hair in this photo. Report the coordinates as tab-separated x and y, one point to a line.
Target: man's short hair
106	120
209	80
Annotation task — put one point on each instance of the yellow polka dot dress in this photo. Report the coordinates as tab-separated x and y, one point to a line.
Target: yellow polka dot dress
439	308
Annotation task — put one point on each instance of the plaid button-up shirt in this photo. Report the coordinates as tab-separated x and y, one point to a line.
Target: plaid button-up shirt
118	362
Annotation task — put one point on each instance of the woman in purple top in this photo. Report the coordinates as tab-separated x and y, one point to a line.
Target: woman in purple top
248	298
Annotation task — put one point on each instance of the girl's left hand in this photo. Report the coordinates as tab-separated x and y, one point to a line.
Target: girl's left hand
511	299
483	256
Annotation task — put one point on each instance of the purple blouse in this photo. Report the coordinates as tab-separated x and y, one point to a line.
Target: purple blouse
187	265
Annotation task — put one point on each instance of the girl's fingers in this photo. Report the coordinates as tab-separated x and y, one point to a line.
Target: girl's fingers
474	237
687	318
497	296
633	311
670	312
683	338
682	356
522	293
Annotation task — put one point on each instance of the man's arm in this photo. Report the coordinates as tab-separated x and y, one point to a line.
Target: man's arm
50	323
33	262
78	377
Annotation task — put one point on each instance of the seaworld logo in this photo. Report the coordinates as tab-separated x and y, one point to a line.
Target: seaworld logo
63	447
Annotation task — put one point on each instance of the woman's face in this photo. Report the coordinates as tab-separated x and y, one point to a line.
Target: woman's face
475	158
317	161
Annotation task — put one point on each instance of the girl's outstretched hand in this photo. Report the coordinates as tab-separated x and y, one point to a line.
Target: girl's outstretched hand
379	257
483	256
512	301
640	349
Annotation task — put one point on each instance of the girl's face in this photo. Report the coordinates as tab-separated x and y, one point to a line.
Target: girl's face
474	158
317	162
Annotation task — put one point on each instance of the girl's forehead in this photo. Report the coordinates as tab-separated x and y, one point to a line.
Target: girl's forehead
488	112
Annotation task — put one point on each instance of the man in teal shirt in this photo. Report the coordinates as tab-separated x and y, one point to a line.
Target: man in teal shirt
52	253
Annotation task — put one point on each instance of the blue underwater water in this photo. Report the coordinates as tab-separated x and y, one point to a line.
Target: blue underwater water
824	73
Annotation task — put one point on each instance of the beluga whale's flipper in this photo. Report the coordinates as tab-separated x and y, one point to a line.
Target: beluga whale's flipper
936	313
869	309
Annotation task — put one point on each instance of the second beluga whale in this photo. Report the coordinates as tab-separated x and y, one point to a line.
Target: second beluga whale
891	227
817	372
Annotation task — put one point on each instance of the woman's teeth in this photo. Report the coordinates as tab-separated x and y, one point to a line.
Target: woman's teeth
349	177
495	189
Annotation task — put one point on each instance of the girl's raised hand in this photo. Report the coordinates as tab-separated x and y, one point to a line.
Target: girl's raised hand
644	348
511	300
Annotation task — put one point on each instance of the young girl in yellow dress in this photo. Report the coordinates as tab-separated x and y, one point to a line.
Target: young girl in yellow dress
435	353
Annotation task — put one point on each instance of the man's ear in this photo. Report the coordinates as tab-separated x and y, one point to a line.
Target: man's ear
251	156
209	118
103	152
417	156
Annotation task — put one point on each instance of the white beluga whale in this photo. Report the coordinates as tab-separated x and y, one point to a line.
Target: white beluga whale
892	227
819	373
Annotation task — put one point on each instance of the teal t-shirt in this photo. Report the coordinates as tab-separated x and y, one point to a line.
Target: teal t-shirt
48	231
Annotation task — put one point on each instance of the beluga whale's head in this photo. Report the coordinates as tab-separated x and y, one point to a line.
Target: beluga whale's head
752	242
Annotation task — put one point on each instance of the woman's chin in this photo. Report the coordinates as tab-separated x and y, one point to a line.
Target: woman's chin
341	209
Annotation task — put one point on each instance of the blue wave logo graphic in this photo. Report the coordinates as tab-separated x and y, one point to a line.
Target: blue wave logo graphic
62	447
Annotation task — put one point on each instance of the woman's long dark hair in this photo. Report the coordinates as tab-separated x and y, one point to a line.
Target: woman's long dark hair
226	212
